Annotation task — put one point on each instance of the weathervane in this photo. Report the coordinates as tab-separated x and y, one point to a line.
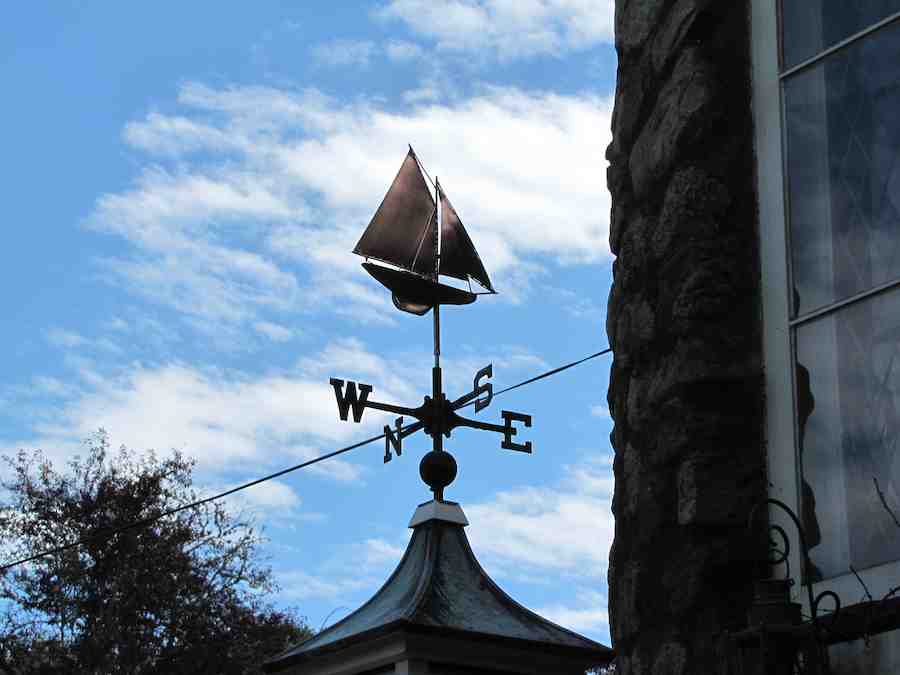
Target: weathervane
422	237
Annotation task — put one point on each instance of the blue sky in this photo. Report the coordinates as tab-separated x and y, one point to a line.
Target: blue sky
183	185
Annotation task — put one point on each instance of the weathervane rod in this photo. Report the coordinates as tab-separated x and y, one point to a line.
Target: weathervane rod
437	267
437	388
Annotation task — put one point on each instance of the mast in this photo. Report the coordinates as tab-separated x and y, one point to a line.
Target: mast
437	267
436	385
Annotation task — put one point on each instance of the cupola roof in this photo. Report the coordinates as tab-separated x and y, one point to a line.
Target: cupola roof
440	587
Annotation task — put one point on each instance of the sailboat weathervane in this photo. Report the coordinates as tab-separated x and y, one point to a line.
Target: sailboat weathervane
421	237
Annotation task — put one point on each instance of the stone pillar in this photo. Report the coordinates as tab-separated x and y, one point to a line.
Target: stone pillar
684	323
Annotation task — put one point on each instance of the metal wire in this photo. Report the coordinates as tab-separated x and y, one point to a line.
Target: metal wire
199	502
271	476
543	375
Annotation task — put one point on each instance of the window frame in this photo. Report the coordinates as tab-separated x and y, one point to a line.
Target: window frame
781	432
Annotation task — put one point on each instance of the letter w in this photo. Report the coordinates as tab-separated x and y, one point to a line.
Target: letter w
348	399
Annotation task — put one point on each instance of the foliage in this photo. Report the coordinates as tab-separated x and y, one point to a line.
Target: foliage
183	594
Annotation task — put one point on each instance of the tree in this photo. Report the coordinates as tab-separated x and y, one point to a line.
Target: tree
183	594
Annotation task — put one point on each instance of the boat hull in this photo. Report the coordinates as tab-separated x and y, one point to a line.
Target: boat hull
415	294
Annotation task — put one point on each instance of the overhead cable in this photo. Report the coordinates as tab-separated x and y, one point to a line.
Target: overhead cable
200	502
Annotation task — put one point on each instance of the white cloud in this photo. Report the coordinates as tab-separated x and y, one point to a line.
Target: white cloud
343	582
599	410
348	358
273	493
274	501
344	53
228	420
407	373
426	93
62	338
273	331
273	496
174	135
507	28
565	529
401	51
300	585
51	386
378	553
582	619
577	303
138	324
250	198
71	341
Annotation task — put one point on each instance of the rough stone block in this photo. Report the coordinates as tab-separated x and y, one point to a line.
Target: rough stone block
693	206
708	291
685	110
631	482
633	241
671	659
633	89
635	20
710	492
683	579
631	664
673	29
619	215
627	623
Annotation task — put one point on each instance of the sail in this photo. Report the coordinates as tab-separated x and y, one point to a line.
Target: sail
424	259
400	223
459	258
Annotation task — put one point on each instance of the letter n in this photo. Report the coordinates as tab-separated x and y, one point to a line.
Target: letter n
393	439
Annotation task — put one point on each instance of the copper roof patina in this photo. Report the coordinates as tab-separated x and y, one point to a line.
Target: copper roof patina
439	585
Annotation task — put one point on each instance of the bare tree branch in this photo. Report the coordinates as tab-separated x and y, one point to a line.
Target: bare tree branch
884	502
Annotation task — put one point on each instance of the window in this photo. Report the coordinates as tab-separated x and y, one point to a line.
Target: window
811	26
840	97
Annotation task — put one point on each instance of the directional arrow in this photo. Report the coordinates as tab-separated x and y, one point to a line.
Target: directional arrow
436	416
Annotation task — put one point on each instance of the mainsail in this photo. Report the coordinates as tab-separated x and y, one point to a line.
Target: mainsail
404	233
396	229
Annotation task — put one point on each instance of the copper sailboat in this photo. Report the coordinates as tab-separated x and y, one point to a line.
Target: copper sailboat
422	237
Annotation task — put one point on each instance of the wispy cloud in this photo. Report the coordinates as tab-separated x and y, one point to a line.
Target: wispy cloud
273	331
578	304
62	338
344	53
379	553
401	51
73	341
273	502
342	583
300	585
589	616
567	528
245	206
508	30
233	420
228	420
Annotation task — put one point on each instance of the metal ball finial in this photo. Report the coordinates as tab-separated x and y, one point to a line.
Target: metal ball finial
438	470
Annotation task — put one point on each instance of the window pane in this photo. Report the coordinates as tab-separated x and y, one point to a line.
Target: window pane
810	26
848	400
843	167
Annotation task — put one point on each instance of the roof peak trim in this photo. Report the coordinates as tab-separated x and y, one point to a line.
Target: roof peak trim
449	512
